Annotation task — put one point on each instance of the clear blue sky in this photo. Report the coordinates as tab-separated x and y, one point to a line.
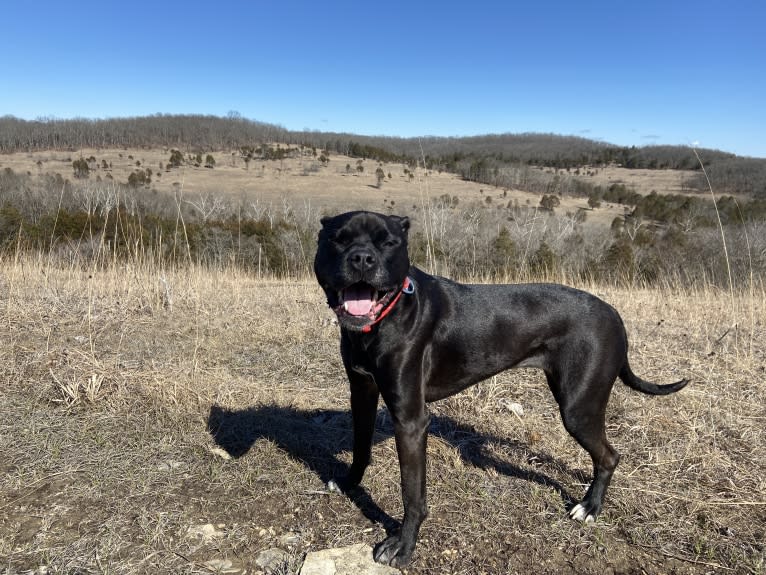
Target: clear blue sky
626	72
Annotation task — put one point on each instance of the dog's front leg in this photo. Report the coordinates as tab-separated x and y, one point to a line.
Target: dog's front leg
410	433
364	409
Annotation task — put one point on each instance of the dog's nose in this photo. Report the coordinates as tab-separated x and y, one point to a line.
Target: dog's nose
362	260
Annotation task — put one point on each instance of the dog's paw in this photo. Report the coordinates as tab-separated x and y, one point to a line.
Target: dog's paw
393	551
334	487
581	512
341	485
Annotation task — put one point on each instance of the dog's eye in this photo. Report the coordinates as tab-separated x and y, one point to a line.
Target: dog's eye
390	243
341	240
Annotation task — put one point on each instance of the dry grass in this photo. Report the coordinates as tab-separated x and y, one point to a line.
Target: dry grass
299	181
126	426
643	181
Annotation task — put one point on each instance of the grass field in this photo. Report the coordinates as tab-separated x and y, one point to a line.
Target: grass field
302	181
183	421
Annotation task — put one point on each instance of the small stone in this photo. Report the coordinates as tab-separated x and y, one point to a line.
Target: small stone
222	453
223	566
170	465
516	408
205	532
352	560
289	539
272	559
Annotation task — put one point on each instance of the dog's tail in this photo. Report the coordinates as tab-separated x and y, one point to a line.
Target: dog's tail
633	381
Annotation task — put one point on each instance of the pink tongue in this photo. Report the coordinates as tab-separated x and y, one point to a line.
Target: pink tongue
358	300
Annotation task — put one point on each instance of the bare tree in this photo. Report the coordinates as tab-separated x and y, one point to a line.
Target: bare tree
208	206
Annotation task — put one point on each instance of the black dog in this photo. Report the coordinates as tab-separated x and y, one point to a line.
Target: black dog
415	338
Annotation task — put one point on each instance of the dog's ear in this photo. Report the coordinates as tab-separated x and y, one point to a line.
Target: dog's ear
404	222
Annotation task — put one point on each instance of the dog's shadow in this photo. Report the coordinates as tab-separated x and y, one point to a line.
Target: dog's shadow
315	438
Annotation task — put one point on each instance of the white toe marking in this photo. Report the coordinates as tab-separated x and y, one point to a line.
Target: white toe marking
333	487
579	513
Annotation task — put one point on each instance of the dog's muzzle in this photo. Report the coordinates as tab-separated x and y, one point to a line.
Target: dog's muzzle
361	301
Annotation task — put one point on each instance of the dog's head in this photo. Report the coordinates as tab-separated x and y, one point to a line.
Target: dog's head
361	263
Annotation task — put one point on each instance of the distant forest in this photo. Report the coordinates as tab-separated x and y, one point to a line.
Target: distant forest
497	159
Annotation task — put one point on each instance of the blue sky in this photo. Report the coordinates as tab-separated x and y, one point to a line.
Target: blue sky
629	73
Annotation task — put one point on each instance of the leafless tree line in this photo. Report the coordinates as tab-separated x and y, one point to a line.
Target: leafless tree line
187	132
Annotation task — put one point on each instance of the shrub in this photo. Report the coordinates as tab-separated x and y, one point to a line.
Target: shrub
503	251
176	159
140	178
619	260
544	261
549	201
380	175
81	169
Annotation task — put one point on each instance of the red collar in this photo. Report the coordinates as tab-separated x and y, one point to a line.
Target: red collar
408	287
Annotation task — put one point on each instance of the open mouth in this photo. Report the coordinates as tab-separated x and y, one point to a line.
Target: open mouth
362	300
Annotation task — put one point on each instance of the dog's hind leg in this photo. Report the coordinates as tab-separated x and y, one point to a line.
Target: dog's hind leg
583	413
592	437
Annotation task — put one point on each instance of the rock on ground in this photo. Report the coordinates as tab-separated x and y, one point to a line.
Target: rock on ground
271	560
352	560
